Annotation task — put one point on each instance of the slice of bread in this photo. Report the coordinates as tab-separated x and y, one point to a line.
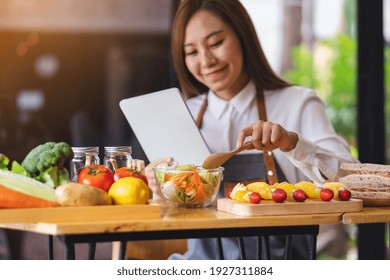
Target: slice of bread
366	182
377	195
366	168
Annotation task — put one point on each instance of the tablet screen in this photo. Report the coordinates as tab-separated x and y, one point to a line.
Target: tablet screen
165	127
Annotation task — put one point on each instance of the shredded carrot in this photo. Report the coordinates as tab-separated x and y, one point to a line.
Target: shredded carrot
188	181
178	177
167	177
191	185
200	187
200	193
180	180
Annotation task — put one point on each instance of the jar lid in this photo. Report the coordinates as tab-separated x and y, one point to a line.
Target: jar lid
115	149
79	150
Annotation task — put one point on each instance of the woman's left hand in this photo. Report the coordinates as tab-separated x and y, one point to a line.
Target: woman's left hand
149	173
268	136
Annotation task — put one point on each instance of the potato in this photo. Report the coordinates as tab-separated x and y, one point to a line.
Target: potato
73	194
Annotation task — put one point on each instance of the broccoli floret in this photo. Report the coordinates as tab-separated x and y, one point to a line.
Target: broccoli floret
63	176
15	166
49	177
41	160
47	155
18	169
53	176
4	161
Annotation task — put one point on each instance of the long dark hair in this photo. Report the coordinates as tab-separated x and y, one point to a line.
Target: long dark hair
233	13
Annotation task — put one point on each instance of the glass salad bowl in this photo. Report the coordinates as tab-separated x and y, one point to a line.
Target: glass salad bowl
188	185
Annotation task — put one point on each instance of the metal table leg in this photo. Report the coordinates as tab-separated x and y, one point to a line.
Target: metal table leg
313	244
259	248
267	250
241	247
123	250
92	250
288	249
220	249
69	250
50	248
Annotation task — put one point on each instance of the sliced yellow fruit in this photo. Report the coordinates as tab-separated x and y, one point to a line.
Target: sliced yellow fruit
287	187
311	190
245	197
262	188
334	186
238	192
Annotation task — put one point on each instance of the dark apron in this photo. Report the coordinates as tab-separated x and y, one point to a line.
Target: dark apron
249	168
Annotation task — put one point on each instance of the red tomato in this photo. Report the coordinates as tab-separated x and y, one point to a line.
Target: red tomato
96	175
229	192
254	198
129	172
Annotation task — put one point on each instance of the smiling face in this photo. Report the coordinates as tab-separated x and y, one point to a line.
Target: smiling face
213	54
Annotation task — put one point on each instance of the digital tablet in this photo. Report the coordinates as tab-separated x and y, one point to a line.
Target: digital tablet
164	127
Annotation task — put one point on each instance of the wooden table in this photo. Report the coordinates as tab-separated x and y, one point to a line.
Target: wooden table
152	222
371	218
369	215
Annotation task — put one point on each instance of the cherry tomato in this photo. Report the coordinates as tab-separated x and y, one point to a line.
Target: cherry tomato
129	172
96	175
229	192
254	198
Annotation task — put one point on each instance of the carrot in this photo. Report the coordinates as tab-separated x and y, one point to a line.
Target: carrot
200	193
191	185
167	177
179	180
200	187
13	199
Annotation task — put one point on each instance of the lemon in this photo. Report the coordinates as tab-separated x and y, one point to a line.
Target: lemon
129	190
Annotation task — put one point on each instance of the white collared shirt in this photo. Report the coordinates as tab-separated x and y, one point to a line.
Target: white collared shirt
295	108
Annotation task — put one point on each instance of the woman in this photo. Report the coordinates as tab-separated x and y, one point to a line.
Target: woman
229	84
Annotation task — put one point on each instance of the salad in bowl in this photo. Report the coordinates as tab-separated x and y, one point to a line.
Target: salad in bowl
188	185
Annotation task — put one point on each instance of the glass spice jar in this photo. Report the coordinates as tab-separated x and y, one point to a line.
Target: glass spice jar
83	156
117	157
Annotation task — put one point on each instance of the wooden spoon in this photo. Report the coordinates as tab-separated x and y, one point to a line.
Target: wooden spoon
217	159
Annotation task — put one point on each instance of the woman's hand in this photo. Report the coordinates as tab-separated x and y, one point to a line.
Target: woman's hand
268	136
150	174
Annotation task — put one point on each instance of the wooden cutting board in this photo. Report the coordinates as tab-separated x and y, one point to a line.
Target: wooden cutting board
269	207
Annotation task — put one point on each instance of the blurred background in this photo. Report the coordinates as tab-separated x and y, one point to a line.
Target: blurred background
65	65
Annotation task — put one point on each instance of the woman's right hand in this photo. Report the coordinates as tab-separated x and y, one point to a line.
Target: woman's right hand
268	136
150	174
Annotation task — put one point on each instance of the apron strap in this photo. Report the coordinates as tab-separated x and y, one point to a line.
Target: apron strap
268	156
201	113
269	161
